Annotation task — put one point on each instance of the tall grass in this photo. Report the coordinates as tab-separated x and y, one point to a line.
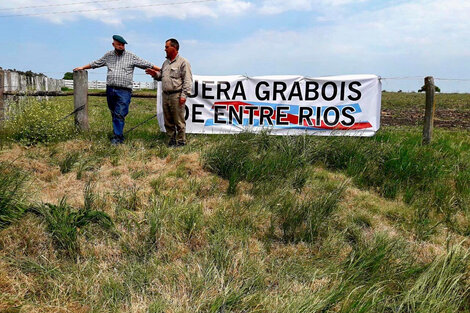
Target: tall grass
255	159
64	222
68	162
13	196
32	121
381	275
397	165
443	287
303	219
393	163
287	242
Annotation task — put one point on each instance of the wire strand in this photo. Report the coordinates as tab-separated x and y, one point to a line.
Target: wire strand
402	78
56	5
109	9
454	79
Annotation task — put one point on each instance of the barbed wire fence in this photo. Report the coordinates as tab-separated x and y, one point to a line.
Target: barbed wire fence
429	88
50	11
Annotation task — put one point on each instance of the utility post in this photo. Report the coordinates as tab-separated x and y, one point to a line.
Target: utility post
430	109
80	99
2	101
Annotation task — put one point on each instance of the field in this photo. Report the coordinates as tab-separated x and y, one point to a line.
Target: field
242	223
452	110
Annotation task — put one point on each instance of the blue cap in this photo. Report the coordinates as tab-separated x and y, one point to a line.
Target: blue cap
120	39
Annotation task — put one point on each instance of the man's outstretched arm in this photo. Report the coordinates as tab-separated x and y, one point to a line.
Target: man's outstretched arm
82	68
98	63
155	72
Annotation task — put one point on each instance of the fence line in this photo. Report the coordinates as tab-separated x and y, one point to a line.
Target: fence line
2	103
18	81
101	85
81	95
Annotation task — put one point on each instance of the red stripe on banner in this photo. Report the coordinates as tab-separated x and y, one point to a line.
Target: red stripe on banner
363	125
236	104
292	118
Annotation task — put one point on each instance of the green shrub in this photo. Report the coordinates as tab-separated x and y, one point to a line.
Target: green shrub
32	121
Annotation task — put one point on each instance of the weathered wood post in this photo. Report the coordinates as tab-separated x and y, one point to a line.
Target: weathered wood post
430	109
80	99
2	102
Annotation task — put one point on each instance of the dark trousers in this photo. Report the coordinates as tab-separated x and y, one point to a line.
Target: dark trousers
173	113
118	103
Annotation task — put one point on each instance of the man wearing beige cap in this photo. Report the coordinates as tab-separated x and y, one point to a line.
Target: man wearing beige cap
119	81
177	81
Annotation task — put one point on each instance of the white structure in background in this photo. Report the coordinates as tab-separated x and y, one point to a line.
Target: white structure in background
30	82
96	84
19	81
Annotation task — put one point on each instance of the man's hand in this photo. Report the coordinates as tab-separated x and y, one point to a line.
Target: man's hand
81	68
151	72
182	101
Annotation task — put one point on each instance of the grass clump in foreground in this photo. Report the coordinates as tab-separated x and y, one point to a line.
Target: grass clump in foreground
304	219
63	222
442	287
12	194
257	159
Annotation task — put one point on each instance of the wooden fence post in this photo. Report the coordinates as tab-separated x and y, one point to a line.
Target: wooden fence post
430	109
80	99
2	102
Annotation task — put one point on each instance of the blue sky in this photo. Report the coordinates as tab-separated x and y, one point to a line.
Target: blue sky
409	39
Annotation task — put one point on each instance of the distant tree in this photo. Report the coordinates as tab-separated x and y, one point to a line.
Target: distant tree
27	73
68	76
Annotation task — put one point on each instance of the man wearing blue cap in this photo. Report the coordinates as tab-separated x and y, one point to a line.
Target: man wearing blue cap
121	64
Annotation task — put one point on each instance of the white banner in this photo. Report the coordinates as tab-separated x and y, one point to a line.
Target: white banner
283	105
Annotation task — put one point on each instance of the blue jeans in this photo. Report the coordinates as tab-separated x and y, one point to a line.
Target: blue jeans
118	103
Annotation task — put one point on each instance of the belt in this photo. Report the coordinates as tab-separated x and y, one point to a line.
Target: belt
172	92
120	88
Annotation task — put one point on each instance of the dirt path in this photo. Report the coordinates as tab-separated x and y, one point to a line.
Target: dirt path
445	118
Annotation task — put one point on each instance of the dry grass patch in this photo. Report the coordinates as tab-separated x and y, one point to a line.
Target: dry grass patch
64	186
74	145
26	238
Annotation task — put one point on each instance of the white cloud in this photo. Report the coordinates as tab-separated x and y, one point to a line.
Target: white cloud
107	11
116	11
401	38
280	6
424	37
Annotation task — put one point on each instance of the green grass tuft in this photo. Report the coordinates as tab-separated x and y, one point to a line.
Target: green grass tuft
64	222
12	194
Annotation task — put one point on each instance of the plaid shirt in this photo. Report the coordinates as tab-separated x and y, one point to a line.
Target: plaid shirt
120	67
